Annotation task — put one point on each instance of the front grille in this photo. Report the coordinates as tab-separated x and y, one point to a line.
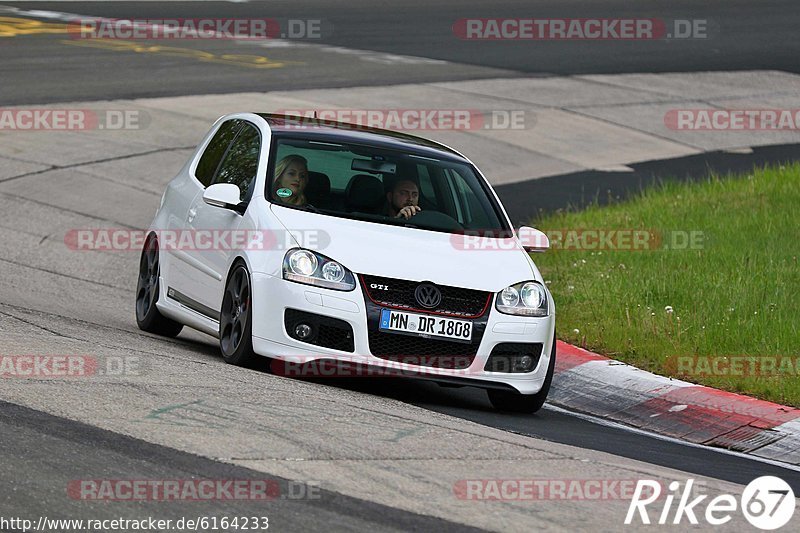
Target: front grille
327	332
416	350
399	294
421	351
505	355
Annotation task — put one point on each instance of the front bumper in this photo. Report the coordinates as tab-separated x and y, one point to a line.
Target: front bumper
272	295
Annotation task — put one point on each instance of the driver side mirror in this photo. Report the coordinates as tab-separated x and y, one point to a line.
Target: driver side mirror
224	195
532	239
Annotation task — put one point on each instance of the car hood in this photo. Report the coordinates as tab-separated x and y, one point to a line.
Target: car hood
410	253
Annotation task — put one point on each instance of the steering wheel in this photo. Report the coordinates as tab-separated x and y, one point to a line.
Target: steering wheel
436	220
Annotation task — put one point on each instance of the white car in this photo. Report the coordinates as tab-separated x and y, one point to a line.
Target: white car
307	241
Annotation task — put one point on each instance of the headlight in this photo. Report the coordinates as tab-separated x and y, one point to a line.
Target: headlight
509	297
333	271
311	268
303	263
528	298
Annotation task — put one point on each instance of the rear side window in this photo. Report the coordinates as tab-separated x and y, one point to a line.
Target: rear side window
210	159
240	163
334	164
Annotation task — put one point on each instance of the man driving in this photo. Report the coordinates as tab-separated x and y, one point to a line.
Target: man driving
402	200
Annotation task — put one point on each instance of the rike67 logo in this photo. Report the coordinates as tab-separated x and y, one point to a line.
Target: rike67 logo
767	503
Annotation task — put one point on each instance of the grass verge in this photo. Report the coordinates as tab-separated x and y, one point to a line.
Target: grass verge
699	281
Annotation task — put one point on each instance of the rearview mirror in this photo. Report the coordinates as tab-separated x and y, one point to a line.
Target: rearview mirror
224	195
532	239
374	166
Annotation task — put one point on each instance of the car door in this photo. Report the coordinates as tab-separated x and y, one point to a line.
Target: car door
177	269
219	226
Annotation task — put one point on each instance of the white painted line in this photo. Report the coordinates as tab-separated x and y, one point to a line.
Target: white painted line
614	168
605	372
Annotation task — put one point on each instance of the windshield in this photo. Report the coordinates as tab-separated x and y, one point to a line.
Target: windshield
383	186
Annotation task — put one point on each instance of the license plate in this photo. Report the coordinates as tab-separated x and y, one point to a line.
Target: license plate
425	326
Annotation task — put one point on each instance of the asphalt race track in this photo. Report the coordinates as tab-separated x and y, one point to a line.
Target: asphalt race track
742	36
57	450
360	454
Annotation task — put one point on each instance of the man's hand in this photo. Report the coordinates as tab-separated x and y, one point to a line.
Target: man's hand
408	211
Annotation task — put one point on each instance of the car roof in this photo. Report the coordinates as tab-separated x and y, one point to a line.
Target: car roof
329	130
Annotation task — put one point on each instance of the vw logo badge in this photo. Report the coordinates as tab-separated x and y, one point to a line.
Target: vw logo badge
428	295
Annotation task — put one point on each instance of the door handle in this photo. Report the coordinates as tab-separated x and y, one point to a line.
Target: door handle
192	213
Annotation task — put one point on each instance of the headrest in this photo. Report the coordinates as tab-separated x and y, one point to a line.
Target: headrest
318	188
364	193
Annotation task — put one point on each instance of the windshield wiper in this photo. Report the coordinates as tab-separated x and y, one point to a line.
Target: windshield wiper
313	209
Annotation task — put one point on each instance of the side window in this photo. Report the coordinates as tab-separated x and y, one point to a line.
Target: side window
240	163
471	214
426	187
215	149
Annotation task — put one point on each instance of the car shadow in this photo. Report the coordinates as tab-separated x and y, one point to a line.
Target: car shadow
459	400
416	391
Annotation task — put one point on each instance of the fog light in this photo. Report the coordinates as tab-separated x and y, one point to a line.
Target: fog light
523	364
302	331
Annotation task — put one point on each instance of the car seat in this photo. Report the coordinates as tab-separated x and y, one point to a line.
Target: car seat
318	189
364	193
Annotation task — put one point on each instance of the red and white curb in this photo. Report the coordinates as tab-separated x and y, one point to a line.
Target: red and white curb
594	384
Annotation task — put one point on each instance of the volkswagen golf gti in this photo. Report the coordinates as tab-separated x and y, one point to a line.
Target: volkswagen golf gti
304	241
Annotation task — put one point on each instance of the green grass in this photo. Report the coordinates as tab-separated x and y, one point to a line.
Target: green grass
737	294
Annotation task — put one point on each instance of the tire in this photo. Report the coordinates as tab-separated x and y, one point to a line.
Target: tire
515	402
148	318
235	319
